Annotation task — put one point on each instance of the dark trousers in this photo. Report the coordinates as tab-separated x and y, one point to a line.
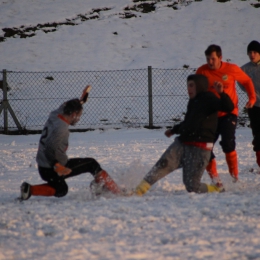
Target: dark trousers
254	116
77	165
226	129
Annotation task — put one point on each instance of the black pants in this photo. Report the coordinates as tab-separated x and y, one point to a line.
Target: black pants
254	116
227	129
77	165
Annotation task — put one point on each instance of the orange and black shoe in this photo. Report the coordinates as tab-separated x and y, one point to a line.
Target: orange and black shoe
220	185
104	183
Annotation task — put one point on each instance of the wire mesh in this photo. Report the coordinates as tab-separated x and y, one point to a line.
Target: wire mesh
117	99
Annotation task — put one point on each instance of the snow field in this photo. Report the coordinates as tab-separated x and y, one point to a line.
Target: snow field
166	223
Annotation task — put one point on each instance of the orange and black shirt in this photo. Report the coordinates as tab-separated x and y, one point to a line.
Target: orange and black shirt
228	74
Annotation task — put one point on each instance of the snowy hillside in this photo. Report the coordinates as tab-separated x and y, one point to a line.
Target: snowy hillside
171	36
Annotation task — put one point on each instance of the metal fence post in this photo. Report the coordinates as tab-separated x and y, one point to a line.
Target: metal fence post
150	97
6	106
4	103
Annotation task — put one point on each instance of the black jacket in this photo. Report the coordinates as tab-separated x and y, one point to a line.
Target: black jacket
200	122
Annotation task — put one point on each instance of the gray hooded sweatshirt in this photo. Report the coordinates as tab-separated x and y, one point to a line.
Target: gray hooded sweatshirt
253	71
54	141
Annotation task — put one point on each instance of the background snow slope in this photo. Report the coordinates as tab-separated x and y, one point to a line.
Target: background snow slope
168	222
165	38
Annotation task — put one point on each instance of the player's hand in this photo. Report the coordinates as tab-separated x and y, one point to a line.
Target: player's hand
218	86
249	104
168	133
61	170
84	95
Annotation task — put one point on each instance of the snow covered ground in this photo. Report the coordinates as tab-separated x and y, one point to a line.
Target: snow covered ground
166	223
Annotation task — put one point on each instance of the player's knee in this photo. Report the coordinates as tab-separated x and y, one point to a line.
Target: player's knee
228	147
61	190
192	186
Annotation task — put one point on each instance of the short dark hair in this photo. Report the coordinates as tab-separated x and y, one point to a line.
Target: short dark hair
72	106
213	48
200	81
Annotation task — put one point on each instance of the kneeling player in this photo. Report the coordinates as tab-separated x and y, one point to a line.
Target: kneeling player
192	148
53	164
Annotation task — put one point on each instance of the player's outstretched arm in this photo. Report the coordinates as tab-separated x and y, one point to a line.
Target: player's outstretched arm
84	96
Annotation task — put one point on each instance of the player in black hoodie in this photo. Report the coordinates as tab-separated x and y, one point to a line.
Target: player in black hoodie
192	148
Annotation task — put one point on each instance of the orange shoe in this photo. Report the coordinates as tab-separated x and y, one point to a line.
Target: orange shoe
107	182
232	163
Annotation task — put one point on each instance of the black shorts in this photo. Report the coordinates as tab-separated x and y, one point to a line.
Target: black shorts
254	116
226	129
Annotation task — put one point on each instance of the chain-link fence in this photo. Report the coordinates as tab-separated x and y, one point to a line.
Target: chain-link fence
132	98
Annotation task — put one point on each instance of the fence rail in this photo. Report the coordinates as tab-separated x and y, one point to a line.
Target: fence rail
144	97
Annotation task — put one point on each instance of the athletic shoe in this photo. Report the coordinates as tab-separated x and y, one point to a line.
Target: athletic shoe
214	188
142	188
104	179
97	188
100	188
234	179
25	191
219	184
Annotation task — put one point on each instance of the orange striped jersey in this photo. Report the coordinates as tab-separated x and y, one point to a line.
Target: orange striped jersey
228	74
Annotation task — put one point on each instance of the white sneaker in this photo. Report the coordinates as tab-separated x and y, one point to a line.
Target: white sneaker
25	191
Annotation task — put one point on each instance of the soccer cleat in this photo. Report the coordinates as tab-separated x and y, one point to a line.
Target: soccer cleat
214	188
234	179
142	188
217	182
106	183
25	191
97	188
220	186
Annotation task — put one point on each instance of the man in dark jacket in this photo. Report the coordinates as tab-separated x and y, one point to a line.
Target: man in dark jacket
192	148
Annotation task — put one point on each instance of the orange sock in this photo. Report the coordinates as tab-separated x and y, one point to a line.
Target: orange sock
212	169
258	158
103	177
232	163
42	190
